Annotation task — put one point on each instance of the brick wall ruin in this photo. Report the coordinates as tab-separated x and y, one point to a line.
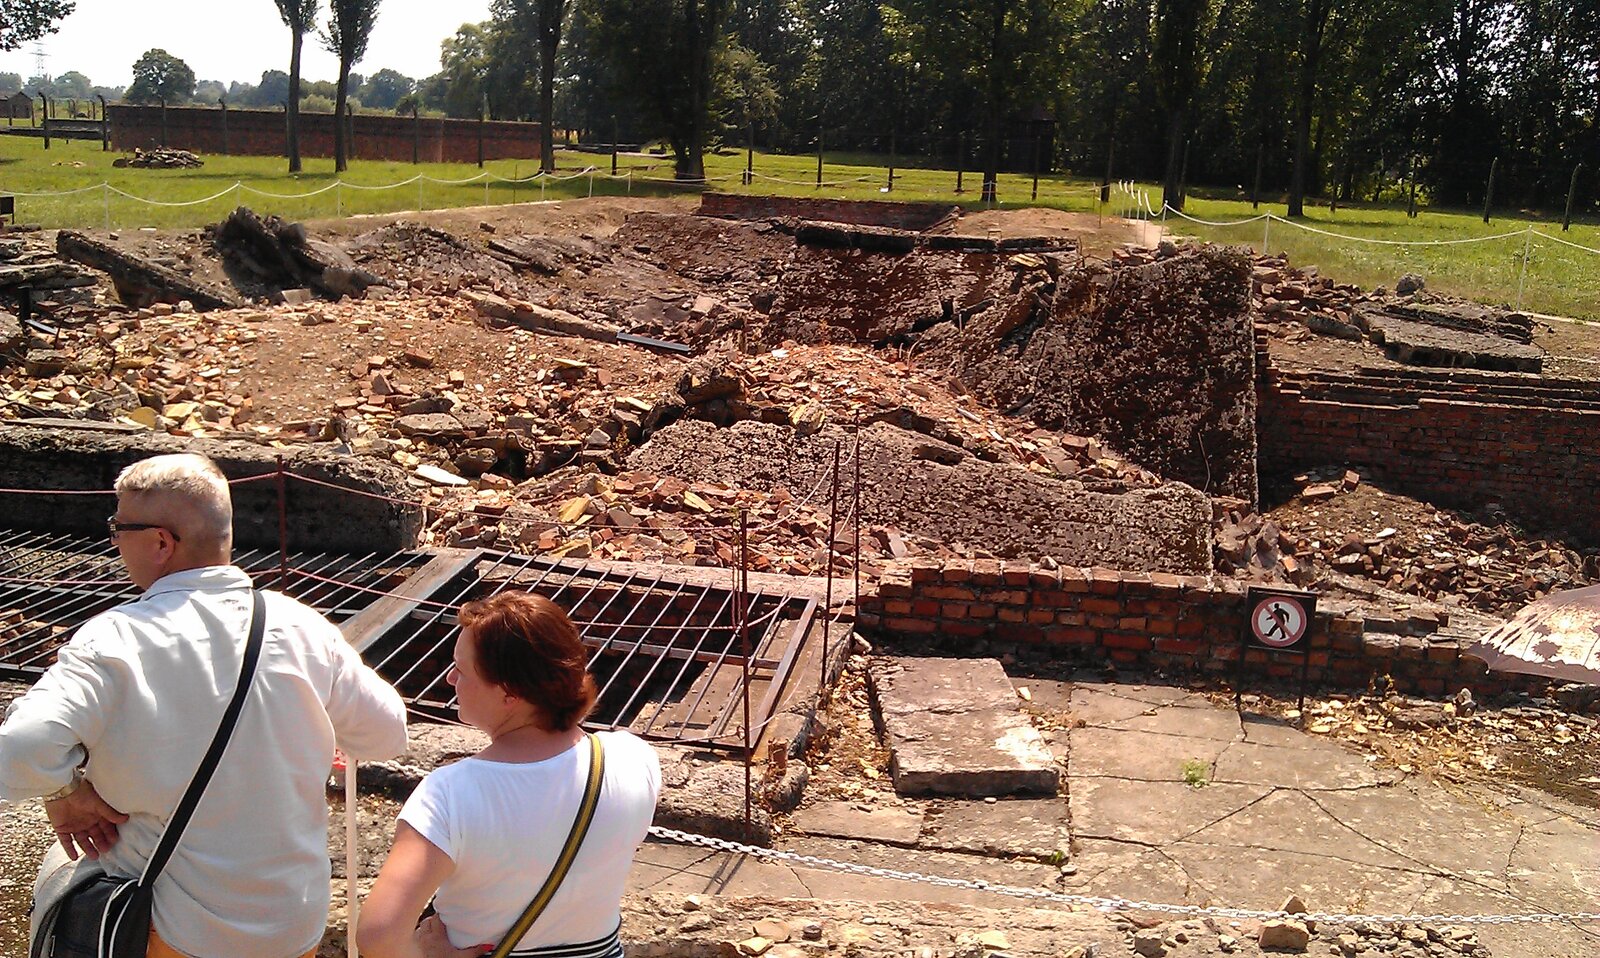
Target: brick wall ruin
375	136
905	216
1459	439
1181	624
320	519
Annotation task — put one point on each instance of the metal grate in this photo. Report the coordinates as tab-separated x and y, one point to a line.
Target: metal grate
668	654
51	584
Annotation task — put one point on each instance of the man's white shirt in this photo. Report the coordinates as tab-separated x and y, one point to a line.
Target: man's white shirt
143	688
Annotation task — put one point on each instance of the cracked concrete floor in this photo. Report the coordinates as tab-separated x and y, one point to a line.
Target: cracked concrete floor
1172	799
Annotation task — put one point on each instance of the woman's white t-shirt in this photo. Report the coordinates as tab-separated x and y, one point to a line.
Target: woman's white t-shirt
503	824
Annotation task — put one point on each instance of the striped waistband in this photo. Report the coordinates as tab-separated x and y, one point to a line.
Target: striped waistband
609	946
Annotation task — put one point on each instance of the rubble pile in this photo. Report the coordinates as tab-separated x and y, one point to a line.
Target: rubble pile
1411	325
1154	938
1337	524
639	516
51	281
160	158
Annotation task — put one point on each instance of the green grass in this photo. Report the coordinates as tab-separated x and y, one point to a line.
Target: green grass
1557	279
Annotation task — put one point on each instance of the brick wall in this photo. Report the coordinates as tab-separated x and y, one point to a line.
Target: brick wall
1530	444
377	137
1177	624
905	216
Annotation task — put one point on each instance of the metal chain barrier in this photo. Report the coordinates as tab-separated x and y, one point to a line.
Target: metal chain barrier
1106	903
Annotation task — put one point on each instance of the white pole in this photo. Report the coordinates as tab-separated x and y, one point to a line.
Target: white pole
419	192
1266	229
486	191
105	190
1522	276
338	197
351	842
591	183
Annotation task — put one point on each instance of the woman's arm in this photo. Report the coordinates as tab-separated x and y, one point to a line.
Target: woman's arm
387	927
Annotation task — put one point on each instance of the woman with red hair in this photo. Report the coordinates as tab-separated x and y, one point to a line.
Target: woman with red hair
479	836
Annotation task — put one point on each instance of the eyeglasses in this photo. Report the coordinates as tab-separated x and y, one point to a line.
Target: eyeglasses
117	527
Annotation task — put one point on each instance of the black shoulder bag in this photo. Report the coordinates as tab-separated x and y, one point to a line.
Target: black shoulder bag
109	917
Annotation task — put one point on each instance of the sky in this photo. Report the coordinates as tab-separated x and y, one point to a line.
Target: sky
230	40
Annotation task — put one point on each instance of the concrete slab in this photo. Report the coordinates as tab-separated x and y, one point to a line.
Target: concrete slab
1287	821
1426	825
1270	730
1557	864
1209	723
1099	707
1137	872
1118	753
954	727
1261	879
906	686
975	754
1013	826
1316	764
1544	940
860	821
1153	813
1138	692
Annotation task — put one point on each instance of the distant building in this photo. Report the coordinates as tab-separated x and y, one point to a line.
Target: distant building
18	106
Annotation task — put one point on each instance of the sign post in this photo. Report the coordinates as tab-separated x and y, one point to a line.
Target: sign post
1278	620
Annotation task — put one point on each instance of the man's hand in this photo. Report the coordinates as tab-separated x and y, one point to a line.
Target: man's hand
432	941
85	820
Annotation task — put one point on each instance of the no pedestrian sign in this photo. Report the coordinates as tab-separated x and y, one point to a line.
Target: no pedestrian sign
1279	618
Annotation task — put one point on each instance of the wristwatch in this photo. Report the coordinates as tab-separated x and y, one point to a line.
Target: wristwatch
67	789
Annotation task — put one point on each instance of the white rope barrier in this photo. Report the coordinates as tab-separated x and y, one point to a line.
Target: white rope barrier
285	196
85	189
208	199
1383	242
1543	235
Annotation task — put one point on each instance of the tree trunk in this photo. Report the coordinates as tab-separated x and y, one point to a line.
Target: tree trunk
991	115
1171	188
701	29
339	144
1311	56
292	108
550	14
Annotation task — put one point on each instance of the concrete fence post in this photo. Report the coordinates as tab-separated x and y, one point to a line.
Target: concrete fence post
223	102
105	126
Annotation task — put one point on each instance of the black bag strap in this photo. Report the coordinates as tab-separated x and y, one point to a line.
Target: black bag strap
580	828
219	744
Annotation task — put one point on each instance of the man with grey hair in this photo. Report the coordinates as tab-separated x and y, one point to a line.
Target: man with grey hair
111	735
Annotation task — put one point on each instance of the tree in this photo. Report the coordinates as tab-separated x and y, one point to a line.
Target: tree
1180	28
1001	50
386	89
73	85
209	91
23	21
521	24
159	76
464	79
10	83
299	16
349	28
662	52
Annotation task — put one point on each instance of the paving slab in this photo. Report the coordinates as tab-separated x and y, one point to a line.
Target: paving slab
856	820
1558	865
1136	872
1287	821
1012	826
1148	694
1262	879
1099	707
1153	813
1209	723
1317	764
1543	940
1427	825
908	686
1271	730
1147	757
955	727
974	754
